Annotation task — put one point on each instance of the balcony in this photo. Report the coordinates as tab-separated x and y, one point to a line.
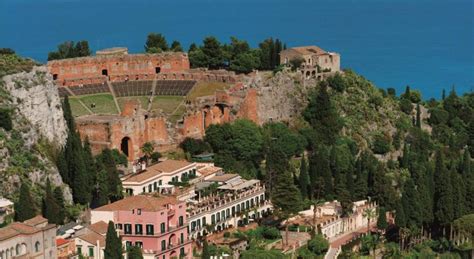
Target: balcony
171	212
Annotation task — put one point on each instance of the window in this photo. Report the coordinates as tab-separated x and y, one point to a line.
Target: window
118	226
238	208
251	203
233	211
37	246
160	182
247	204
213	219
162	228
182	238
128	244
223	215
180	221
203	221
242	206
199	223
181	251
139	211
227	213
155	185
139	244
144	189
150	229
150	188
193	226
128	228
138	229
91	251
79	249
163	245
218	217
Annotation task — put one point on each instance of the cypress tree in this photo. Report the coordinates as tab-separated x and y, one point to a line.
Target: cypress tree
459	195
25	206
113	243
400	219
323	117
382	219
324	171
205	250
286	196
81	190
443	209
59	198
360	186
443	94
100	195
115	185
468	178
418	116
411	204
304	178
50	207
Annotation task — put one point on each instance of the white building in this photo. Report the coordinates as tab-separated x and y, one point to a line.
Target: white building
224	201
157	178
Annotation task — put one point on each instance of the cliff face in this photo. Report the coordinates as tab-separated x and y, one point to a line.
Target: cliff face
29	149
37	99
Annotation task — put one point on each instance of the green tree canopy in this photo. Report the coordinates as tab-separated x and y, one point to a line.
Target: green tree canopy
113	243
156	43
25	206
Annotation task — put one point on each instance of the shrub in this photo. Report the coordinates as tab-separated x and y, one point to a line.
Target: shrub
391	92
318	245
6	119
438	116
406	106
380	144
194	146
337	82
270	233
226	234
155	156
296	63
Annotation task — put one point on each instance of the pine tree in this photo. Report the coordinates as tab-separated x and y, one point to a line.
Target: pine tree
25	207
113	243
205	250
418	116
59	198
443	196
304	178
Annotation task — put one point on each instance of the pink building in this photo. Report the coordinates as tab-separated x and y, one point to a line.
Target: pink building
157	225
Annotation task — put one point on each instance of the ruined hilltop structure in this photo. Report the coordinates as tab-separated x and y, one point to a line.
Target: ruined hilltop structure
134	81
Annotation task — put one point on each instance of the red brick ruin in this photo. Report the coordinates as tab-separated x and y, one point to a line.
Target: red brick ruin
115	71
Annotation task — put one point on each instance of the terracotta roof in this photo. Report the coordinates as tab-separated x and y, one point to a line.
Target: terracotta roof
61	241
167	166
17	228
92	238
99	227
208	170
146	203
36	221
223	177
309	50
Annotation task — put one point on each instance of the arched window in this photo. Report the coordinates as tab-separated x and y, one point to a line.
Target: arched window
37	246
163	245
18	249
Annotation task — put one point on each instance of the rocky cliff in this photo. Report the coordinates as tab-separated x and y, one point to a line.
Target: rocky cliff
29	149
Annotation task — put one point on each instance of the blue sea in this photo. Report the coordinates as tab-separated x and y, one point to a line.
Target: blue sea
427	44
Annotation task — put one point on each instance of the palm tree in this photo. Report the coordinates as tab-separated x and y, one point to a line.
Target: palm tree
369	213
148	149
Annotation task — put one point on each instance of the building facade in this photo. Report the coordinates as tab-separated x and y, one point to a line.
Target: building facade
157	225
316	62
225	201
159	177
33	238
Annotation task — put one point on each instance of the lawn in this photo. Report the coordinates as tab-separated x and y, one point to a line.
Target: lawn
104	103
76	107
178	114
143	100
206	88
166	103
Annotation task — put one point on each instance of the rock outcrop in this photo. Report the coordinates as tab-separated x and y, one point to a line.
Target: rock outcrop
37	99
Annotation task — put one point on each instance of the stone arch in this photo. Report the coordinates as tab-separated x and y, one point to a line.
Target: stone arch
126	147
308	74
313	73
172	240
173	254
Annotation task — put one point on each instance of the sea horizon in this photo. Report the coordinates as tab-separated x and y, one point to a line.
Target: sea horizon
428	45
